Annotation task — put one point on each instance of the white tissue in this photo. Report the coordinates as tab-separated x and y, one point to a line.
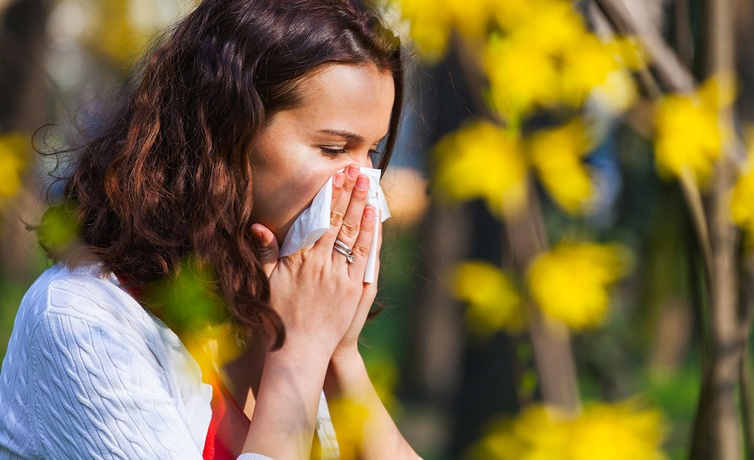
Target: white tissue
314	221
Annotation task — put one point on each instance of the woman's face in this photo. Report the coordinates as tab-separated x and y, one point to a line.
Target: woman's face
344	114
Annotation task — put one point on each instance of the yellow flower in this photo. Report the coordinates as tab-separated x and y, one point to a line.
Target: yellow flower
493	301
603	431
742	201
538	433
742	195
617	93
429	26
616	432
589	62
557	156
470	17
553	30
570	282
510	14
689	133
431	22
482	161
13	149
521	77
349	418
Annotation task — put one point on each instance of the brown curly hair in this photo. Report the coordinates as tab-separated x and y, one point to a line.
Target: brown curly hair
169	177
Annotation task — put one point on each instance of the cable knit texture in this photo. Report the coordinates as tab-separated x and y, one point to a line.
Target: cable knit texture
90	374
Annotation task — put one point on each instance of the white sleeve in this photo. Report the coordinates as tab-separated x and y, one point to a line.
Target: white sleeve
97	394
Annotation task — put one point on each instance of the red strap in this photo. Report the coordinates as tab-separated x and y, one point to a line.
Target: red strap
218	411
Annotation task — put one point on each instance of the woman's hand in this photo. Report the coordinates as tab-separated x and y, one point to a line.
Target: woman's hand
317	293
348	206
348	346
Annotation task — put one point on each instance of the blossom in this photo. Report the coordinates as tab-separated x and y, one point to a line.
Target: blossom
689	133
591	63
539	53
429	26
550	59
493	303
570	282
603	431
557	155
742	195
616	432
553	29
12	153
431	22
482	161
521	77
538	433
349	418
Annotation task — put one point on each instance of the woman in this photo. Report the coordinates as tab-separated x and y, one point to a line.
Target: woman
240	118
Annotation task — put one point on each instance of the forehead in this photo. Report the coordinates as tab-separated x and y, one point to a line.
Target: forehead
356	98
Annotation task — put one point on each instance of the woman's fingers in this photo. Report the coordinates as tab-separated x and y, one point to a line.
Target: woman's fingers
349	229
338	180
267	247
361	247
339	208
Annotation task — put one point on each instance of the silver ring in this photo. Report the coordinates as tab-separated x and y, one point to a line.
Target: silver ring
342	248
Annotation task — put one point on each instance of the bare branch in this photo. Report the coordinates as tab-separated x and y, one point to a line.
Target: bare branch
669	67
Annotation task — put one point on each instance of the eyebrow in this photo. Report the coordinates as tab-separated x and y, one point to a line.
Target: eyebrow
348	135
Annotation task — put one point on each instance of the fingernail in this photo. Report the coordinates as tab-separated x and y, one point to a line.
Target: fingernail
368	213
257	233
362	183
353	172
339	179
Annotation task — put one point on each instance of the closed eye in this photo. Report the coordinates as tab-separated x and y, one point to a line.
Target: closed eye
332	151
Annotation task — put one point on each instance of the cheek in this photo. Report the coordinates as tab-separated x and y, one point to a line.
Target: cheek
282	192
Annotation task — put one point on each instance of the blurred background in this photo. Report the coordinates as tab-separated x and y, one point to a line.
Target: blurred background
567	274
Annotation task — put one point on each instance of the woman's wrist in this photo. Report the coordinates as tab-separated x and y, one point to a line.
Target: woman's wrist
346	374
287	401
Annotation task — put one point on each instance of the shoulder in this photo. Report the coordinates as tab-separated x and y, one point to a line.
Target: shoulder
94	359
67	310
83	293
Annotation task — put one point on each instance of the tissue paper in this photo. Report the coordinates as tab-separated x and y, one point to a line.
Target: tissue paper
314	221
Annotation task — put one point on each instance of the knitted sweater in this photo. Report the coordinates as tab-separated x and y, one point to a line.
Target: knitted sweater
90	374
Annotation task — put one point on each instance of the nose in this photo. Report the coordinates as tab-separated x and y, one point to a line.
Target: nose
365	161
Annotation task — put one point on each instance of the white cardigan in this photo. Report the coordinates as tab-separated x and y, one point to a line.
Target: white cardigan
90	374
